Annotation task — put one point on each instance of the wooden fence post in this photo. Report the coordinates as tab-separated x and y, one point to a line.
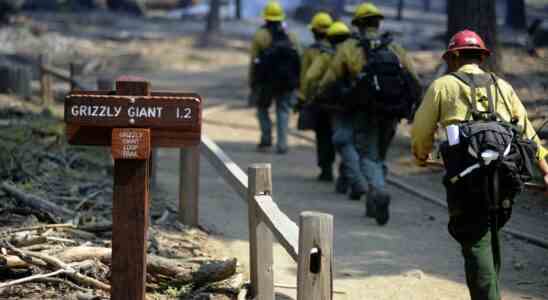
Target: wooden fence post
45	80
315	265
189	185
260	236
154	169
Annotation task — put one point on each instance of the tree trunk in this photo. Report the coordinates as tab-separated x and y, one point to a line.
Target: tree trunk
238	9
214	17
479	16
126	6
427	5
15	79
339	8
401	5
515	14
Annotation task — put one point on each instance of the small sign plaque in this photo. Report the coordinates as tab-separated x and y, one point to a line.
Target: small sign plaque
131	143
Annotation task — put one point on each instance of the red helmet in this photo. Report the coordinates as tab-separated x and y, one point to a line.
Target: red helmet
466	40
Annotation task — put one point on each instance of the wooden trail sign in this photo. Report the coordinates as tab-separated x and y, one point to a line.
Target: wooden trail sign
132	120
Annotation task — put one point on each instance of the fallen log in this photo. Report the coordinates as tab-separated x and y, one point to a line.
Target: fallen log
63	268
76	254
36	202
96	227
12	261
180	271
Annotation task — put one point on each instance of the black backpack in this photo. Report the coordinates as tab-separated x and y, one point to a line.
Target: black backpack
476	185
384	86
278	67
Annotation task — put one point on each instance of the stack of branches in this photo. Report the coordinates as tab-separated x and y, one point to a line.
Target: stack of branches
55	215
65	259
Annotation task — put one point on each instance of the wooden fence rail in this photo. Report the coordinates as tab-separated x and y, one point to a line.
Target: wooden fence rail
310	244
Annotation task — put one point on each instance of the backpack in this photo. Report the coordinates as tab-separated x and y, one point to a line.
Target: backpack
492	160
384	86
278	67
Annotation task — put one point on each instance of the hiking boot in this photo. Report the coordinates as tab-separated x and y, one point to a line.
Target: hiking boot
356	192
326	175
281	151
264	147
341	185
370	209
382	202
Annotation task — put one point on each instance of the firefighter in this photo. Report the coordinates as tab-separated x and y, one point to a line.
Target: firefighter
274	75
450	101
333	115
324	148
373	132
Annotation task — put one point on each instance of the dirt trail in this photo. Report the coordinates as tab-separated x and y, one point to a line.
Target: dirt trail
411	258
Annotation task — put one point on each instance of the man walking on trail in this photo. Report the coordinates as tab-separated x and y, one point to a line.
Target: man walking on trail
383	79
490	150
274	75
319	117
339	118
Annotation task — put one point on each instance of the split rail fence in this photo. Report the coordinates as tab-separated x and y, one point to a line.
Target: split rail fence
310	243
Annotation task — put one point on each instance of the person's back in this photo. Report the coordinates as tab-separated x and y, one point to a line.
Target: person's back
274	74
373	132
487	156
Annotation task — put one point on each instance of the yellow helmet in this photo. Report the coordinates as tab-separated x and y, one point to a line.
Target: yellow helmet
320	22
338	28
273	11
366	10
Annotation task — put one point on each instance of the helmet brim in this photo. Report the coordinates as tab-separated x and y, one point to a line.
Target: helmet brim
487	52
356	20
274	18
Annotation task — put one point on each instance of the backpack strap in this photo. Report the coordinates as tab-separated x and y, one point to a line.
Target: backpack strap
499	91
472	105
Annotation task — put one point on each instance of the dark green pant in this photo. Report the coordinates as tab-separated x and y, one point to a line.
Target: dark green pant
482	267
325	149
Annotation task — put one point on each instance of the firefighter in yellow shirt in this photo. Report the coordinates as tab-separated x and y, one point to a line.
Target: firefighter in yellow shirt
274	73
451	101
340	120
317	117
374	126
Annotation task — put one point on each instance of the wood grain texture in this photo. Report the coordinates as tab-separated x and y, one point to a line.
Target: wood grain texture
160	137
131	143
132	86
285	230
314	277
45	80
189	186
260	236
134	111
129	227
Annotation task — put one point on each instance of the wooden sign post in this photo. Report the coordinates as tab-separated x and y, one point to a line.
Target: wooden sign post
132	120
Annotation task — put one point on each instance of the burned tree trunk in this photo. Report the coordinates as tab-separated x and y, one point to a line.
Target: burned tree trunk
479	16
15	79
401	6
515	14
132	7
214	17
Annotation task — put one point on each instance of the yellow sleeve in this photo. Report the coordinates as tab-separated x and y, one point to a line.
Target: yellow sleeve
519	111
406	60
314	74
425	123
335	71
295	41
306	62
261	40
